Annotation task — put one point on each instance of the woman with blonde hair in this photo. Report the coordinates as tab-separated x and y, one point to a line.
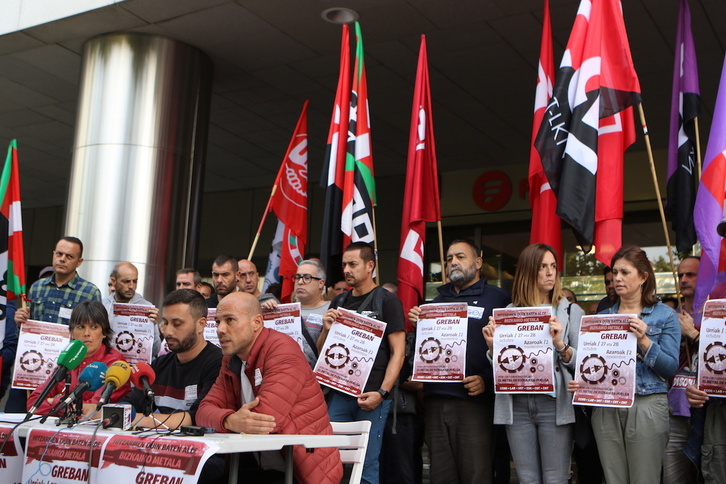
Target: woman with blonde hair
540	427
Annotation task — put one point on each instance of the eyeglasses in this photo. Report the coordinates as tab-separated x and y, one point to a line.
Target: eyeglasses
306	278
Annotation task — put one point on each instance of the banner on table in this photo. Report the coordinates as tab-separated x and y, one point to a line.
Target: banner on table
712	349
441	343
133	331
11	455
350	349
39	344
605	366
286	318
523	354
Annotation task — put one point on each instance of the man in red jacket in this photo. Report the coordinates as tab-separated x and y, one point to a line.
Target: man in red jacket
266	386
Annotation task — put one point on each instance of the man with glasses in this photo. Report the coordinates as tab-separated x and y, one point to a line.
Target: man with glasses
309	289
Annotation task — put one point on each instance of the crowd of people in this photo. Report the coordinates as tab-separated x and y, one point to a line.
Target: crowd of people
258	380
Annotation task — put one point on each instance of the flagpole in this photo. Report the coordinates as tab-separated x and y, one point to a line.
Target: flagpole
262	222
658	197
375	245
698	148
441	250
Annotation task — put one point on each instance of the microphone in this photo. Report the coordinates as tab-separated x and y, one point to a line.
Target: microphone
117	375
143	376
113	419
91	379
721	228
68	360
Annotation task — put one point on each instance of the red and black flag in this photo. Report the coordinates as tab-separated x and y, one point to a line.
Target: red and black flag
588	124
331	242
685	108
546	225
359	186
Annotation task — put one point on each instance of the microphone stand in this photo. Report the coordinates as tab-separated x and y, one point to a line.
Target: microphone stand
148	404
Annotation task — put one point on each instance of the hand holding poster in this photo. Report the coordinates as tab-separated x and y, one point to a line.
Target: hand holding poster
712	349
39	345
441	343
286	318
350	349
522	352
133	331
606	354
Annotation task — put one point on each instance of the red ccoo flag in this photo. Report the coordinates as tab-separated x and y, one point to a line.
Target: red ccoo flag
290	203
12	255
546	225
421	195
331	241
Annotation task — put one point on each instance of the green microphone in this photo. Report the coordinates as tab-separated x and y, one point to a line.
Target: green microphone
68	360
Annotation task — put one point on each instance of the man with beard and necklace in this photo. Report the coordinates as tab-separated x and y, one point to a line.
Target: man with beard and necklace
125	279
371	300
185	375
459	416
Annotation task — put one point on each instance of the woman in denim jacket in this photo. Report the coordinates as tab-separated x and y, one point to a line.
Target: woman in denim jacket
540	427
631	441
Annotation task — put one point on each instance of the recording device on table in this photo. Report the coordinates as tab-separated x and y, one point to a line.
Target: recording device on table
68	360
116	376
143	377
91	379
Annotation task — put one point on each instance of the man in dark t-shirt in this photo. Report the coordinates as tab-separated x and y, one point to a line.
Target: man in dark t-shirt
369	299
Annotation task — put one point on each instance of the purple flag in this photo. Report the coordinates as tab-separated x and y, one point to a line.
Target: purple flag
708	211
685	107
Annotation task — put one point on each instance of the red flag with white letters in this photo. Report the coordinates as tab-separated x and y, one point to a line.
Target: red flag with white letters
290	203
421	195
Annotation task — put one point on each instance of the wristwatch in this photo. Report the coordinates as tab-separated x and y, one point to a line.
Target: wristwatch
384	393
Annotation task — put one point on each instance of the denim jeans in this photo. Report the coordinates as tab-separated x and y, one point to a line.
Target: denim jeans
344	408
541	449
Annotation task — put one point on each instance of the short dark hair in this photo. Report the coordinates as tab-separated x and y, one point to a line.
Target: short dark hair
195	274
366	251
469	242
226	259
698	258
606	270
196	302
115	271
205	283
73	240
91	312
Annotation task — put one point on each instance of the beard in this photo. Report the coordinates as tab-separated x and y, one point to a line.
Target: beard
460	276
183	345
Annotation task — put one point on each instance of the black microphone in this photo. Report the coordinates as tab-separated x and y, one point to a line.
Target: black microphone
721	228
116	376
107	422
90	379
68	360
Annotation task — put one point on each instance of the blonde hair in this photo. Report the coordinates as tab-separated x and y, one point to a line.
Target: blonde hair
524	288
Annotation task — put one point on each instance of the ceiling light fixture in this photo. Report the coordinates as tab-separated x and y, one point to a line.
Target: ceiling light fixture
339	15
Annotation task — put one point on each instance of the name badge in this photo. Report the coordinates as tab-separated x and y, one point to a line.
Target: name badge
258	377
65	313
474	312
190	393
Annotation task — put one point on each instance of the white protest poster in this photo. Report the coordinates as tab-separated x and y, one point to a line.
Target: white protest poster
523	356
133	332
39	345
210	330
350	349
606	357
712	349
11	454
286	318
61	456
130	458
441	343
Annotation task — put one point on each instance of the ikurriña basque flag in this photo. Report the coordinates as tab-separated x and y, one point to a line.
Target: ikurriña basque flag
546	225
709	209
685	108
421	202
12	253
588	124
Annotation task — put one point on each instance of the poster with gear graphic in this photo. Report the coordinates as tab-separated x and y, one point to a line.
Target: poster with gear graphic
712	349
286	318
39	345
523	353
349	351
606	357
133	332
441	343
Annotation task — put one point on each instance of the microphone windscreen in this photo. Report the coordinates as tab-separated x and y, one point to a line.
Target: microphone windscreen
119	373
72	355
142	369
94	374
